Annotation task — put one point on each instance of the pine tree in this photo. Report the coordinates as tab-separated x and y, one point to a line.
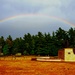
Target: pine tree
5	50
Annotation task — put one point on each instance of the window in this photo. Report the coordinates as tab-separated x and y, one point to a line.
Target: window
69	53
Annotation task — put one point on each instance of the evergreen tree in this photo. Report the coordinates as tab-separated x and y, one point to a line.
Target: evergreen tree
2	43
71	35
6	50
40	44
15	48
62	37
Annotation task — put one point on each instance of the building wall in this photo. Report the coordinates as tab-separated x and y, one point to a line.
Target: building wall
61	54
69	54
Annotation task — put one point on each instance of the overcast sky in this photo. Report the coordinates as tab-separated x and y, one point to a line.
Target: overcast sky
28	18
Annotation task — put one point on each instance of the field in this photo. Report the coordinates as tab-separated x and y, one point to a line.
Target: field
24	66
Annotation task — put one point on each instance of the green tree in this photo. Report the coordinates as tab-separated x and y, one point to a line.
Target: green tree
25	52
9	37
47	44
28	43
39	43
32	52
16	48
2	43
9	42
71	35
54	45
62	37
6	50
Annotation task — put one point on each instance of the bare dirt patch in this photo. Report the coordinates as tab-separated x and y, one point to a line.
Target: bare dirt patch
24	66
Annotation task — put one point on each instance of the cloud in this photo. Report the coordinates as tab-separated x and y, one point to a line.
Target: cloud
50	7
18	26
59	8
68	10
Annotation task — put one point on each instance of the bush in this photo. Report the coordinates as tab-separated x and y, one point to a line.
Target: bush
18	54
1	54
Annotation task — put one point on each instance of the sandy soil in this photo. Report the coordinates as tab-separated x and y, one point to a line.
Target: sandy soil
24	66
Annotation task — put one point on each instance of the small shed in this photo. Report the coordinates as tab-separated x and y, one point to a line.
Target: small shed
67	54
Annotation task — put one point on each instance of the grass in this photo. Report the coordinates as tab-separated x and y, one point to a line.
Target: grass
24	66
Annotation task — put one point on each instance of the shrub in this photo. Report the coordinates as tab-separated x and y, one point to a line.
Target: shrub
18	54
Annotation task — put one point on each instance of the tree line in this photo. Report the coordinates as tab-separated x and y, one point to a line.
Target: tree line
39	44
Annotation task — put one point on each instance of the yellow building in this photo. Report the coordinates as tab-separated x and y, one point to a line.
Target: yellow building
67	54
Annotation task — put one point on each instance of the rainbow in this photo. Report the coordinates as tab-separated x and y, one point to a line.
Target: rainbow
31	15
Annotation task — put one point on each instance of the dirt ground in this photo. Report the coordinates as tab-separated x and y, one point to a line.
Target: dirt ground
24	66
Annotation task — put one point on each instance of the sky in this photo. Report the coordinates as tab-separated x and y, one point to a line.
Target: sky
18	17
